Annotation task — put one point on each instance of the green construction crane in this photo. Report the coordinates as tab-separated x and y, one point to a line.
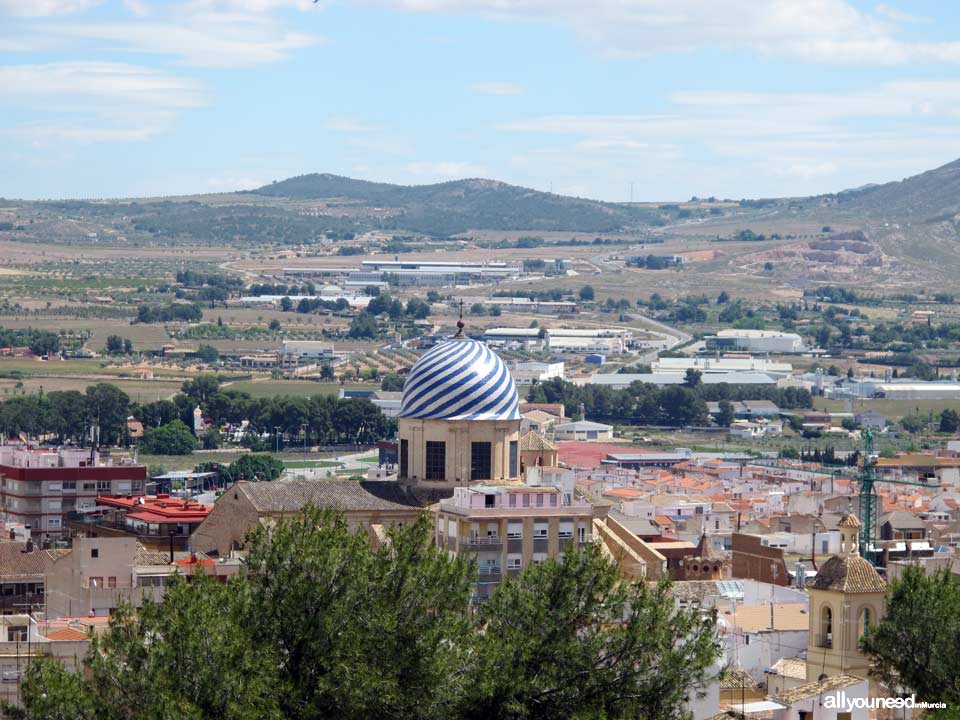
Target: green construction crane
868	499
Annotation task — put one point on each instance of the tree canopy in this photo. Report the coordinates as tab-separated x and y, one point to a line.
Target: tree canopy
321	626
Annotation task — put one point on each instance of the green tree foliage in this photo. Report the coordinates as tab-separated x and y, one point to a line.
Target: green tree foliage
648	404
174	438
572	640
391	382
127	346
208	353
913	424
417	308
253	467
692	378
201	388
586	293
726	415
949	421
917	643
323	626
186	312
286	304
114	344
40	342
363	327
108	406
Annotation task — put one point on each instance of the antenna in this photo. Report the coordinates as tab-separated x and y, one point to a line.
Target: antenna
460	323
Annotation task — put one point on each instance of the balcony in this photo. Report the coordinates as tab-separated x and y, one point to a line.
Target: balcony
490	574
481	543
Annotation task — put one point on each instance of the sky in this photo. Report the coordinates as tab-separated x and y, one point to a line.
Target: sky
609	99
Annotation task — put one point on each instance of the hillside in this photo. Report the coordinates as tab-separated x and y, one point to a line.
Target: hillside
461	205
932	196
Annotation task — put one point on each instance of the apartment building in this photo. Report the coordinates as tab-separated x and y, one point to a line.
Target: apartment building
508	527
39	486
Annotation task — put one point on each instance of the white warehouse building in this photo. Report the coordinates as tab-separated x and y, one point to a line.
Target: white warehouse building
758	341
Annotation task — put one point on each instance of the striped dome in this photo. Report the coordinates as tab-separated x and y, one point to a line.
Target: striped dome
461	379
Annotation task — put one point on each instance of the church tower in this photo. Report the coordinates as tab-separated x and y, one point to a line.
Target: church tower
846	597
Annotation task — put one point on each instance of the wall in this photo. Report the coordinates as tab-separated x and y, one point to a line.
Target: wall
752	560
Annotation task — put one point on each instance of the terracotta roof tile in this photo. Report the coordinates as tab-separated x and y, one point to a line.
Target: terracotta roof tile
810	689
850	574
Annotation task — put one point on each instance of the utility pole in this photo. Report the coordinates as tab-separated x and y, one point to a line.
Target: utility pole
276	438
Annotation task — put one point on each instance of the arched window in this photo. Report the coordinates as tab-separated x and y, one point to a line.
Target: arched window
826	627
865	621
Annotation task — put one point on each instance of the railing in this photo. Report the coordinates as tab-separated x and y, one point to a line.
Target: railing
825	641
485	543
490	574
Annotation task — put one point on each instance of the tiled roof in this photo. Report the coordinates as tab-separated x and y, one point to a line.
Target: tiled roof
850	574
756	618
143	556
346	495
801	692
16	562
535	441
66	633
793	667
736	678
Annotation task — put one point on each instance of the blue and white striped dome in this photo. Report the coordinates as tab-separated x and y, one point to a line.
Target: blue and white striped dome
462	379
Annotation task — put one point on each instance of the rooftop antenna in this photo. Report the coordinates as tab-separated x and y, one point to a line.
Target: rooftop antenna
460	323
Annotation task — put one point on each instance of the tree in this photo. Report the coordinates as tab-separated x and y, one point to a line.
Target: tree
114	344
201	389
363	327
692	378
726	415
417	308
949	421
916	646
174	438
913	424
253	467
723	298
211	439
127	346
573	639
586	293
208	353
286	304
68	414
275	325
321	625
108	407
391	382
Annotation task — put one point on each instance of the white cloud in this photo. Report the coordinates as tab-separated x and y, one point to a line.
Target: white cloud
742	143
207	40
140	8
231	182
91	102
445	170
898	15
829	31
44	8
497	88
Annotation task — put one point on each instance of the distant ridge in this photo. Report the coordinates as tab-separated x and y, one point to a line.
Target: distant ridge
461	205
931	196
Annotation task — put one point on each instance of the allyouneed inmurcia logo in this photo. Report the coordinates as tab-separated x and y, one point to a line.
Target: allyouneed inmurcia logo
843	702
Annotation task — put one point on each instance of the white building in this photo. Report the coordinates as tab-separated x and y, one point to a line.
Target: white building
746	430
759	341
528	373
583	430
298	352
619	381
722	366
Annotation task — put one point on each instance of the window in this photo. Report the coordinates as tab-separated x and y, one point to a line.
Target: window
566	529
137	485
826	627
436	465
94	552
404	462
480	460
89	486
553	501
96	582
70	485
111	582
514	459
515	530
581	534
513	499
513	562
489	501
540	530
104	485
526	499
53	522
539	499
865	621
16	632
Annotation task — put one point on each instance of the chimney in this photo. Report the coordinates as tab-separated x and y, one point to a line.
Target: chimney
29	546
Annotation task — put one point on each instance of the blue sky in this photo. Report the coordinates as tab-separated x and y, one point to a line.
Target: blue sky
733	98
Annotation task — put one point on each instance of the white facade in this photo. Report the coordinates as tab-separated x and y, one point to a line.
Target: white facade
761	341
528	373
